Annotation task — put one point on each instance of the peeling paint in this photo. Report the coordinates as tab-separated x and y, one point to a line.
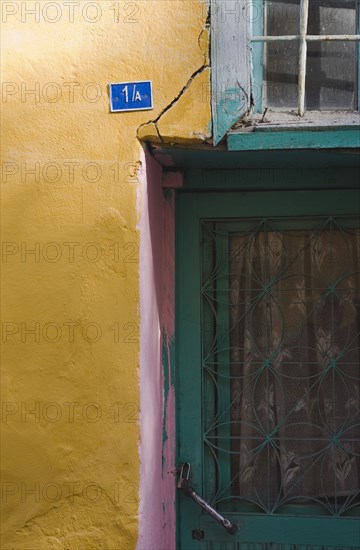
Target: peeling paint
157	278
168	482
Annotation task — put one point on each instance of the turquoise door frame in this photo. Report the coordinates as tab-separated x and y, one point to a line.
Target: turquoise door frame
258	532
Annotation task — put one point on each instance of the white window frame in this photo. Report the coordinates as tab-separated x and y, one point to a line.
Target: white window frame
232	63
303	39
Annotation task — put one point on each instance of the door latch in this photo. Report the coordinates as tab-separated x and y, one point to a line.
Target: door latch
183	483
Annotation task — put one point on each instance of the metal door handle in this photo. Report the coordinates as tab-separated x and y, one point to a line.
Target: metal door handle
183	483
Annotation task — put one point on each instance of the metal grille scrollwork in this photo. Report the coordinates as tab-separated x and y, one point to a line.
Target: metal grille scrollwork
280	365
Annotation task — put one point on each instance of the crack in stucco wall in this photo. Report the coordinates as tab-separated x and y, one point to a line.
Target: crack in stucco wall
174	101
204	45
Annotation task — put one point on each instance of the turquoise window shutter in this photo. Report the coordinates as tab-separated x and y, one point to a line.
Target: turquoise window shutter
230	82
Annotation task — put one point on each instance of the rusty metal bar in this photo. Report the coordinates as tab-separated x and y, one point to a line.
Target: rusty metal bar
183	483
231	528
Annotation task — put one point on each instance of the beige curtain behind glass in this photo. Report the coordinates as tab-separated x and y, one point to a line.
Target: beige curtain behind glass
294	333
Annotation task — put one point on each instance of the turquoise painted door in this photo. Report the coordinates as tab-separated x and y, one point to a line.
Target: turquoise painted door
267	363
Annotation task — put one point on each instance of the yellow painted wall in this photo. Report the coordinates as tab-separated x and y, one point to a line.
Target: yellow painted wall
70	254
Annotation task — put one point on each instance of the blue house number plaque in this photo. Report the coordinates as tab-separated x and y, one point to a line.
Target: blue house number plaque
131	96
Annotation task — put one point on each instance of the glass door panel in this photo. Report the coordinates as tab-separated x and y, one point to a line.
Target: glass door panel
280	306
268	328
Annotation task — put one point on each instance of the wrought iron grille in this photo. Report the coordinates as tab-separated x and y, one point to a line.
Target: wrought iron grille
270	546
280	365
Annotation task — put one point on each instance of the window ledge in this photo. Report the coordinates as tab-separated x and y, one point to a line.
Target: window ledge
286	130
281	120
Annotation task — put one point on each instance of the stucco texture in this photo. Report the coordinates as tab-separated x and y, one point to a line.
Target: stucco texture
71	199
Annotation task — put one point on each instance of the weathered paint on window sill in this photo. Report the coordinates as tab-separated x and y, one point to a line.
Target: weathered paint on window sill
307	138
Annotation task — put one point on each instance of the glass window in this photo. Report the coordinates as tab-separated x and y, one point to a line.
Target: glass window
280	344
309	52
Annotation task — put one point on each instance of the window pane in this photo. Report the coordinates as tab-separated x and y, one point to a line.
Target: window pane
332	17
280	358
282	17
331	72
281	74
331	76
281	58
283	344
